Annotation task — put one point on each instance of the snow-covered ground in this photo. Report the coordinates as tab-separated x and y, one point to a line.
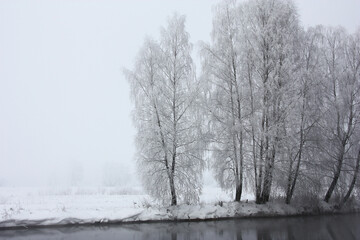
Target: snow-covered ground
43	206
29	207
20	206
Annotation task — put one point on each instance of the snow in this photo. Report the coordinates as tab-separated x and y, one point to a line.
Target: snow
21	206
42	206
33	207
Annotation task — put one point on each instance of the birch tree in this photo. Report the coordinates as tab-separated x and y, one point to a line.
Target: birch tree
165	92
225	103
251	63
340	103
271	30
282	106
307	108
352	53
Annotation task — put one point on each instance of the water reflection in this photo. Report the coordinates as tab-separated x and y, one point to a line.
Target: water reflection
324	227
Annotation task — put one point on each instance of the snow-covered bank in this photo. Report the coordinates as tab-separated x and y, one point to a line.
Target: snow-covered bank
110	206
58	206
234	210
177	213
23	207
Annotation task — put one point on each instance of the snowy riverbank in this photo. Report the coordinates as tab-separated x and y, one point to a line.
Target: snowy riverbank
19	208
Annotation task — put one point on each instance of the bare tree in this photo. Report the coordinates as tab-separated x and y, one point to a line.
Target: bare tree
340	91
307	108
225	103
281	105
352	60
165	92
271	30
251	64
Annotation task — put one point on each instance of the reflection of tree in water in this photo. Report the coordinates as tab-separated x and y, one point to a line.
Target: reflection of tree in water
290	233
315	227
264	234
337	228
238	234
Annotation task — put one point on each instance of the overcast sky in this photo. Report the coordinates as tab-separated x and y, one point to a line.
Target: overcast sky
64	103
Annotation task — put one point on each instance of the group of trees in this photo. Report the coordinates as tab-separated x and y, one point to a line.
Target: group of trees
275	109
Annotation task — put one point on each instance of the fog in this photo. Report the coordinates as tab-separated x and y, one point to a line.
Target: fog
65	111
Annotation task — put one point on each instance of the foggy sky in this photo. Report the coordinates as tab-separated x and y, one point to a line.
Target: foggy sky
65	112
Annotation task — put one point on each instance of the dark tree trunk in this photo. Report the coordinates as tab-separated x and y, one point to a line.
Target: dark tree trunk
260	174
238	192
289	183
332	185
336	174
342	150
265	196
173	192
352	184
290	192
241	172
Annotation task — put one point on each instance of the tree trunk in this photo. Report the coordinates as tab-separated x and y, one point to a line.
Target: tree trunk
172	184
263	151
240	171
290	191
234	142
173	192
336	173
343	145
289	182
265	195
238	184
353	181
238	192
260	179
236	108
334	180
253	133
333	184
166	160
296	174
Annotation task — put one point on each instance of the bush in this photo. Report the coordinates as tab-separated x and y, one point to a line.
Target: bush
307	199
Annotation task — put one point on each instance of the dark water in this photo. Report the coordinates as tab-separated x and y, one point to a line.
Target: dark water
341	227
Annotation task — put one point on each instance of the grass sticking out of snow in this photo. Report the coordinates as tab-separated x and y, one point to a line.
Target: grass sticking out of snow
26	207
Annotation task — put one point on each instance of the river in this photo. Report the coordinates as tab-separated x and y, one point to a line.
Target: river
327	227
